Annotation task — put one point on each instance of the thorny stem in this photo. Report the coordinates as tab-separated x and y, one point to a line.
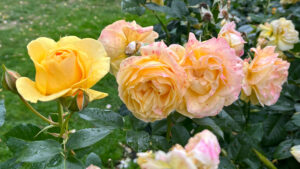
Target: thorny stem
169	123
60	117
37	113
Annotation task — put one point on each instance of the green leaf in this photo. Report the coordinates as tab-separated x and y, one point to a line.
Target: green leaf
57	162
158	8
208	123
225	121
86	137
136	123
159	127
160	143
246	28
102	118
26	132
16	145
178	9
256	131
133	6
296	119
282	151
225	163
2	112
180	135
37	151
264	160
94	159
138	140
274	129
10	164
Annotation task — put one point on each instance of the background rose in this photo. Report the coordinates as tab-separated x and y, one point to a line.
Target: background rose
151	85
288	1
281	33
214	74
158	2
264	77
233	37
174	159
295	151
204	149
117	36
63	67
201	152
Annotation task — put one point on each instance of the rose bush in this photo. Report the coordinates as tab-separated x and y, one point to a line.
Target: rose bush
190	101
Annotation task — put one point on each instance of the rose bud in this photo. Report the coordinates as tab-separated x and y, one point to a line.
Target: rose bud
9	79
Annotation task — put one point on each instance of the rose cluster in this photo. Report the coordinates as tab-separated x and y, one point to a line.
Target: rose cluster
202	151
197	79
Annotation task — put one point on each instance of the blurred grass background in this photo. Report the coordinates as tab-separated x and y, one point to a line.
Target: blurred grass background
24	20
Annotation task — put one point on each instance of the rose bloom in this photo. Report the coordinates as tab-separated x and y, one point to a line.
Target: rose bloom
93	167
215	76
204	149
201	152
122	39
289	1
233	37
281	33
152	85
158	2
174	159
264	77
64	67
295	151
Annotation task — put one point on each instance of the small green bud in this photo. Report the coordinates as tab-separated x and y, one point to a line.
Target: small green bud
9	78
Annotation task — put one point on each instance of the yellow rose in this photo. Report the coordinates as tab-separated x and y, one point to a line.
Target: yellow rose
122	39
281	33
158	2
152	85
289	1
64	67
264	77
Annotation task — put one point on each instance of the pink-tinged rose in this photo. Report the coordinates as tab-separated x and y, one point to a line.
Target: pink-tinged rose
204	149
122	39
214	74
174	159
93	167
233	37
264	77
152	85
295	151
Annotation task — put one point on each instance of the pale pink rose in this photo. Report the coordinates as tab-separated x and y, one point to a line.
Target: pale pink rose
264	77
295	151
204	149
233	37
215	76
152	85
93	167
174	159
122	35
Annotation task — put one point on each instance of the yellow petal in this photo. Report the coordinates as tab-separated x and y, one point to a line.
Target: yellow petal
94	95
98	57
27	89
39	48
68	40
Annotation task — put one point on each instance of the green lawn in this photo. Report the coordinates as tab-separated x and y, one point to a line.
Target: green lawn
23	21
